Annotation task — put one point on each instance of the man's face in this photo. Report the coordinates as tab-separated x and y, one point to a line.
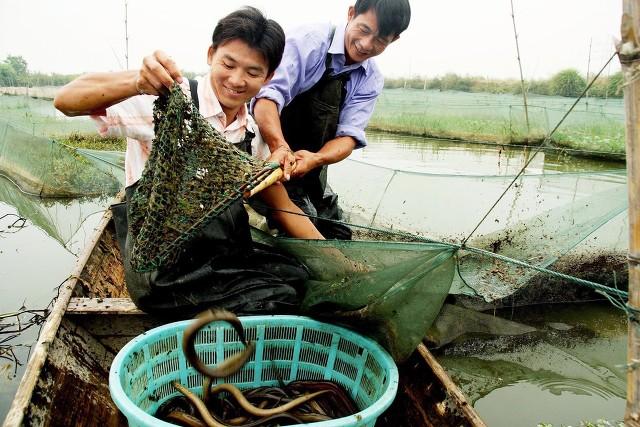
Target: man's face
361	39
237	73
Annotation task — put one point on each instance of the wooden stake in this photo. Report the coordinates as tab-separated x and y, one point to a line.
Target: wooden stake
524	89
629	53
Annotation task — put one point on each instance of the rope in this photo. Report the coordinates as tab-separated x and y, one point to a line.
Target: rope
538	149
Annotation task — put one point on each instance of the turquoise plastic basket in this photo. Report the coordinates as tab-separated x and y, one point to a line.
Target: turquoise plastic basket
287	347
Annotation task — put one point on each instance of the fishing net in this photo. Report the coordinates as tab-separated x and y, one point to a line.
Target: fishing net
193	174
391	291
573	222
44	167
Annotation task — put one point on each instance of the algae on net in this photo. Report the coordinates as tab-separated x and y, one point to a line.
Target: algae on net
192	175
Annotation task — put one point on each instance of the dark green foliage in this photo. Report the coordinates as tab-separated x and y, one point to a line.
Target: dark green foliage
8	76
13	71
567	83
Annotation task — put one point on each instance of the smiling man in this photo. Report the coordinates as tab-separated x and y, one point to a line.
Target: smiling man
314	110
221	265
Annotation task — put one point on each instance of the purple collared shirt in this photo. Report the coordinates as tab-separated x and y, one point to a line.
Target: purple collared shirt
303	64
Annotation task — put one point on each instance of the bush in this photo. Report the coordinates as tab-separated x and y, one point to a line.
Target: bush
567	83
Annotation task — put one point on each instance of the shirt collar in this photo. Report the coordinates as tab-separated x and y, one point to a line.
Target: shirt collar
210	106
336	49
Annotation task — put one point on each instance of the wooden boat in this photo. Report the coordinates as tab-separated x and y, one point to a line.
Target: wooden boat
66	380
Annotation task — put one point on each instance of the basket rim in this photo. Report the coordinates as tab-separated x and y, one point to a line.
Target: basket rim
368	414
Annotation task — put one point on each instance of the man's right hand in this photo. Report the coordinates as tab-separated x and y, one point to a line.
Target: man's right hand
157	74
285	158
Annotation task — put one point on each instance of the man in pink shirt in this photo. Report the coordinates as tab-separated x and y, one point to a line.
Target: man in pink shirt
221	266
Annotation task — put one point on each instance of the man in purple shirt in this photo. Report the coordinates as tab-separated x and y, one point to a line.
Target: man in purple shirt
314	110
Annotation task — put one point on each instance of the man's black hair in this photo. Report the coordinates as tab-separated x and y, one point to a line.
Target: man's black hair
251	26
393	15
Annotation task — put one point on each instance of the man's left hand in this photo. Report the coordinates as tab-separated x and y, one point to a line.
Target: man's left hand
305	162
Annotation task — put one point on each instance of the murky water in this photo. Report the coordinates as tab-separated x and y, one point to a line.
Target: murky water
35	257
571	369
572	379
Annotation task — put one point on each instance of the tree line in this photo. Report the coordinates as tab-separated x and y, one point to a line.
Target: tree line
565	83
14	72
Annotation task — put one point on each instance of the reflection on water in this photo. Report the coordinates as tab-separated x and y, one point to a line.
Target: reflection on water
410	153
569	370
34	260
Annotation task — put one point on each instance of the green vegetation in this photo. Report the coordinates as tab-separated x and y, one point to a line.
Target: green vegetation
92	141
14	72
565	83
451	106
594	125
568	83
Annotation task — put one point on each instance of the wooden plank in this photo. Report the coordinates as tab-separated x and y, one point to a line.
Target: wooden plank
116	306
72	389
629	51
48	334
450	387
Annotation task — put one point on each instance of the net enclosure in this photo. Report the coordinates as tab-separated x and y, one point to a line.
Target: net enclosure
44	167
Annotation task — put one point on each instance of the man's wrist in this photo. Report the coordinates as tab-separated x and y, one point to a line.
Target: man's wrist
284	147
279	146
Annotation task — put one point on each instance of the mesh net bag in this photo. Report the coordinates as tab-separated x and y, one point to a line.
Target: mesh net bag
193	174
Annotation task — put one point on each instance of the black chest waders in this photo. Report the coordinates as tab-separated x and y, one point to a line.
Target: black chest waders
220	266
308	122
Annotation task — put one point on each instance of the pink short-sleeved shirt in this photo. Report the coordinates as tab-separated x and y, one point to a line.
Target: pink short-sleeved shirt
133	119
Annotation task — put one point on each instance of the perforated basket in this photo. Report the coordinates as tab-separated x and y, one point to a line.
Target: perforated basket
287	347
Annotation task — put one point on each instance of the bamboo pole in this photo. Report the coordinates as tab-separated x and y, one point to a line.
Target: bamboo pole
629	53
524	89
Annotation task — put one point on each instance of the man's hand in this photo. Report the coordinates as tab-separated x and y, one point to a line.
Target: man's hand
305	162
157	74
286	159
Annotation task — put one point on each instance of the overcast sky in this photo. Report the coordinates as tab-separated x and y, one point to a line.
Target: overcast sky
467	37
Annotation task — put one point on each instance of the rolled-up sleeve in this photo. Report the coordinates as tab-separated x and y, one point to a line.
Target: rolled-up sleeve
132	118
357	109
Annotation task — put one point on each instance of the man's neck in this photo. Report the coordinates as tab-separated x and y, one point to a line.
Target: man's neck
230	115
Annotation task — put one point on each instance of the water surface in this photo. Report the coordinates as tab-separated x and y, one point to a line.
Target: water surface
572	379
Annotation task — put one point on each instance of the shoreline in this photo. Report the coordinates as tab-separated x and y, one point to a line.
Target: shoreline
523	143
48	93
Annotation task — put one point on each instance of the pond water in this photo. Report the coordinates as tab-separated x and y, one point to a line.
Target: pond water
572	380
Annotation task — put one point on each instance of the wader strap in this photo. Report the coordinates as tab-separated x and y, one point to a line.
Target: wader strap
193	86
245	144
